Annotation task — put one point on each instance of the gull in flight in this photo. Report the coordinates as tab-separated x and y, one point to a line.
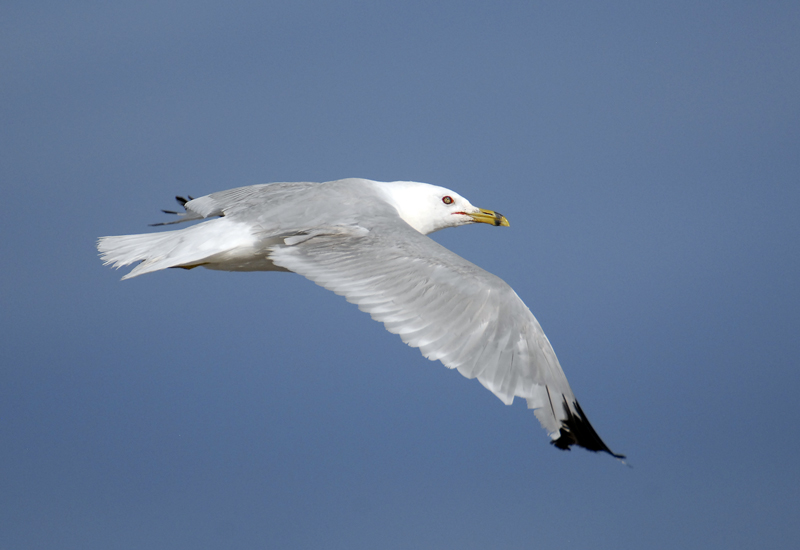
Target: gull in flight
366	240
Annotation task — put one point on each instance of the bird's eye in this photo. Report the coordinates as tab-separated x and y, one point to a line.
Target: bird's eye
447	199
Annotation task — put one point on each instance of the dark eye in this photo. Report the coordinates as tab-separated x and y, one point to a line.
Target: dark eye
447	199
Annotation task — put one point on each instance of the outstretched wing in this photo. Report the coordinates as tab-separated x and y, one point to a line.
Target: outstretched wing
450	309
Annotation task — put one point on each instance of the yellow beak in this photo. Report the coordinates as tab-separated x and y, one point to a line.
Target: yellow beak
490	217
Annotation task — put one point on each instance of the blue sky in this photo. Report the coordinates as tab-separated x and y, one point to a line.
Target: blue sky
646	155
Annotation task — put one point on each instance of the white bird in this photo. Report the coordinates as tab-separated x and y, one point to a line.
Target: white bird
366	240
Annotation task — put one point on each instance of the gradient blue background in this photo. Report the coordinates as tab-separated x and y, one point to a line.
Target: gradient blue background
646	154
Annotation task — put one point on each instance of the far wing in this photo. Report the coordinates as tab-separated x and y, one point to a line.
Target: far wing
451	310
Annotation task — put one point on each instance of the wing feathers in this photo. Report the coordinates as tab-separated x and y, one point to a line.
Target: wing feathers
461	315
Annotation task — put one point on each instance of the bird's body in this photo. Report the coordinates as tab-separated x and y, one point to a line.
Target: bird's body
366	241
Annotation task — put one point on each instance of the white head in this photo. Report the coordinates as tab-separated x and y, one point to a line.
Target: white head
428	208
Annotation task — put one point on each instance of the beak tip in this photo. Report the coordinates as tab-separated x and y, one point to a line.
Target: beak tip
491	217
500	220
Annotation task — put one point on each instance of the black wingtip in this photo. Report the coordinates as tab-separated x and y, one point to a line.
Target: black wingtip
182	201
576	430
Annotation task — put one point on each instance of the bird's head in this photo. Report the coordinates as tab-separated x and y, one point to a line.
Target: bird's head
428	208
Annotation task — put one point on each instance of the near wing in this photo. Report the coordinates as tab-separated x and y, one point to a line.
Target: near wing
450	309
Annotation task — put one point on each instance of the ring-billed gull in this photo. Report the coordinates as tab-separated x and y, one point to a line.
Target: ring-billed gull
366	240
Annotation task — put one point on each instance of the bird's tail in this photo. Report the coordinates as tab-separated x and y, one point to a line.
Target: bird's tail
186	248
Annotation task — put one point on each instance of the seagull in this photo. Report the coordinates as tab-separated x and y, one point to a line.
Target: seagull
367	241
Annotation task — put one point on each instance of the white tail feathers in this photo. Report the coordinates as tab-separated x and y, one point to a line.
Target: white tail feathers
182	248
150	249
